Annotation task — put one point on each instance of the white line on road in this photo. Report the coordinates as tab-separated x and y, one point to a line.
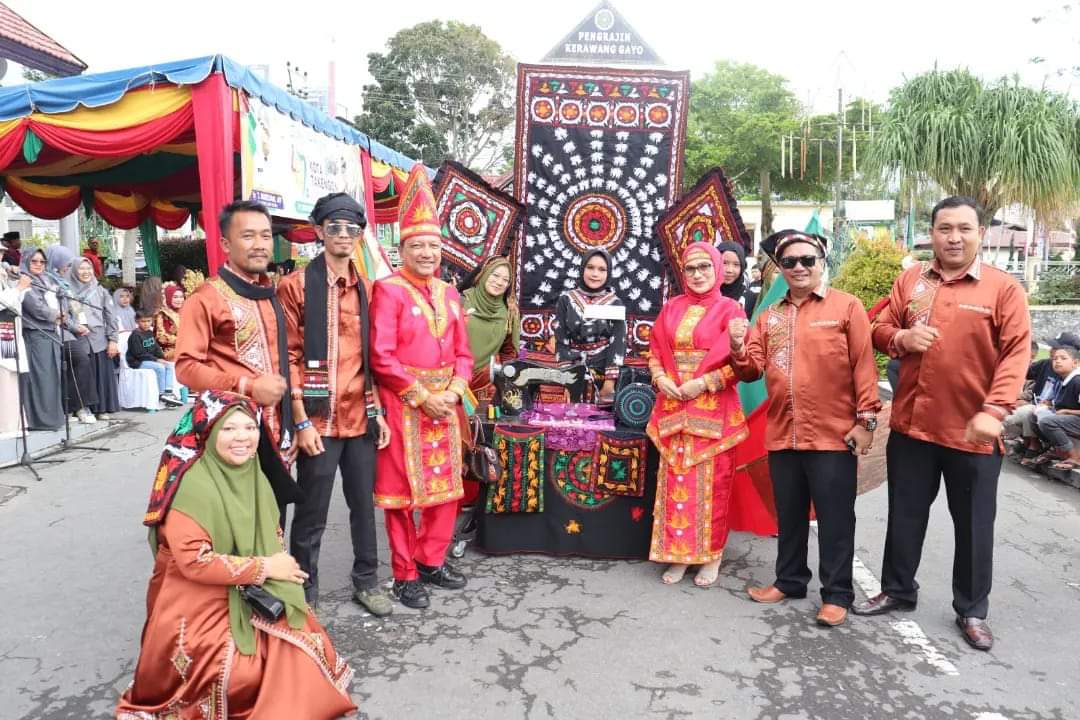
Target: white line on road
908	630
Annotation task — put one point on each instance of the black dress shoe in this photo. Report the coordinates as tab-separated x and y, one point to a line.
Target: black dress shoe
976	632
444	576
411	593
881	604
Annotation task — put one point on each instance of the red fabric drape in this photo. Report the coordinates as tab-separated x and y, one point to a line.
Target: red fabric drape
212	104
170	219
116	143
51	208
123	219
11	144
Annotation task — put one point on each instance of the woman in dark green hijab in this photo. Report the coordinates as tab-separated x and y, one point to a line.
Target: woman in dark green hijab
491	318
214	526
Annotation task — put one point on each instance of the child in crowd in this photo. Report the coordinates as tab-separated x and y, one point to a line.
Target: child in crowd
143	352
1058	418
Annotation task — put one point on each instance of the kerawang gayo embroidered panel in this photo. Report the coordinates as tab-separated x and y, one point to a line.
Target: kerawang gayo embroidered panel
477	220
598	160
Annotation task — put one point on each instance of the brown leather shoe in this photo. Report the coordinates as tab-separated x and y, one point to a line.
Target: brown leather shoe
766	595
831	615
976	632
881	604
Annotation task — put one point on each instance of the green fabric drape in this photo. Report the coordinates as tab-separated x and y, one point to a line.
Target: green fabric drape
31	147
151	251
282	249
236	507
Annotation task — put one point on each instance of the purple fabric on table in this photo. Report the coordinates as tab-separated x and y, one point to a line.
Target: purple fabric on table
569	426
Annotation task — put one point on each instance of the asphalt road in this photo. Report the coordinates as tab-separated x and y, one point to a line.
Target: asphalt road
535	637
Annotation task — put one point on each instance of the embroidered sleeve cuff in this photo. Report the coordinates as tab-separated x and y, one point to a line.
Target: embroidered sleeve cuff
415	395
264	568
611	373
713	381
459	387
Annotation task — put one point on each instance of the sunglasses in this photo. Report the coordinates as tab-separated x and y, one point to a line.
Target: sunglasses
335	229
702	269
807	261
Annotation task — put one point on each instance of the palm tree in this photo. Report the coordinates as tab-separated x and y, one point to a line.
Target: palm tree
999	143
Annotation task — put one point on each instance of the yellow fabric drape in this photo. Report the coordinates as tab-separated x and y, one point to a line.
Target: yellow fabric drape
134	108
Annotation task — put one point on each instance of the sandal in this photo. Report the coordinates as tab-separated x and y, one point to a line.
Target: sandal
1038	460
704	579
1066	465
674	574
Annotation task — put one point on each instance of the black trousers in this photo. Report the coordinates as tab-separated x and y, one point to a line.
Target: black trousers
315	475
829	479
80	381
915	471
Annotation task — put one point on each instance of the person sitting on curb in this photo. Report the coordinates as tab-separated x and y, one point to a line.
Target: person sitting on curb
1059	424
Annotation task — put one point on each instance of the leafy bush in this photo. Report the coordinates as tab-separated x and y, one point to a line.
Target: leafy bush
189	252
868	274
1061	290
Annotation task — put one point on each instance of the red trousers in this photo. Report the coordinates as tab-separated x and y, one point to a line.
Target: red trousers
427	546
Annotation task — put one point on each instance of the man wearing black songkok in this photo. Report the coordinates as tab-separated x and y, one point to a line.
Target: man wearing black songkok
338	419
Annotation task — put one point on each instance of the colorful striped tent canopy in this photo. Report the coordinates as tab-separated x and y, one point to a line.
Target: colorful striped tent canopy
149	143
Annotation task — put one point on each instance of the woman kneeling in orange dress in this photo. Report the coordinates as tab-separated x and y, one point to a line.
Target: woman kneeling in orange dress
206	655
696	422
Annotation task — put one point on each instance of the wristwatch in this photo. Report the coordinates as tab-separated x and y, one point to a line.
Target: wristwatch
869	423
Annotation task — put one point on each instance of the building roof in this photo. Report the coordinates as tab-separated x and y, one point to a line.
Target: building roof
27	45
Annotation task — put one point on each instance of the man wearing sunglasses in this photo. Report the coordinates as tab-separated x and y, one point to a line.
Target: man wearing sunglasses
814	349
335	406
964	333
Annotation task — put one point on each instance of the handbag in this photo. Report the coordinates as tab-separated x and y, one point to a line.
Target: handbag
262	602
481	461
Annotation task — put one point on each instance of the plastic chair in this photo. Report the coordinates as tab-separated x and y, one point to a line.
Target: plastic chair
137	388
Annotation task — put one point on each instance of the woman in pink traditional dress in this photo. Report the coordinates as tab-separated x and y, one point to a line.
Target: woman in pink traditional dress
696	421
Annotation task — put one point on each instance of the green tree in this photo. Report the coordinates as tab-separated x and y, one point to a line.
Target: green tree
443	89
738	114
31	75
999	143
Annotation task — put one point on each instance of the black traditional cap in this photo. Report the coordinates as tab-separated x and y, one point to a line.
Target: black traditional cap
338	206
13	235
774	245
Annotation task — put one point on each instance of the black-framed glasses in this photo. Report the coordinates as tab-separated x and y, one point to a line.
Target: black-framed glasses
350	229
789	262
700	269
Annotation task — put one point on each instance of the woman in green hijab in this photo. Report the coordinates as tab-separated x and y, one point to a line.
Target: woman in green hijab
492	321
214	526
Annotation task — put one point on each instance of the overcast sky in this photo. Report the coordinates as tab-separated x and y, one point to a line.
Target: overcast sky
868	47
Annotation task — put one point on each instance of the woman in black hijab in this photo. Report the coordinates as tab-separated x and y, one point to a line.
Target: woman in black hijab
734	278
602	343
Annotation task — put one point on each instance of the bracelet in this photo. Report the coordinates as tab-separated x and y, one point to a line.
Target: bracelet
303	425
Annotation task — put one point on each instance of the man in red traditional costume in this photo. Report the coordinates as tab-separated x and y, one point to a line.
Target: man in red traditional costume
234	338
422	364
334	404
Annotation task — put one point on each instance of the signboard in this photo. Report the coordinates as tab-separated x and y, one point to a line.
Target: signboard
604	38
287	166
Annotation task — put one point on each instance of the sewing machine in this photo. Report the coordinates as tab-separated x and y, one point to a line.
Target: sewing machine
518	382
